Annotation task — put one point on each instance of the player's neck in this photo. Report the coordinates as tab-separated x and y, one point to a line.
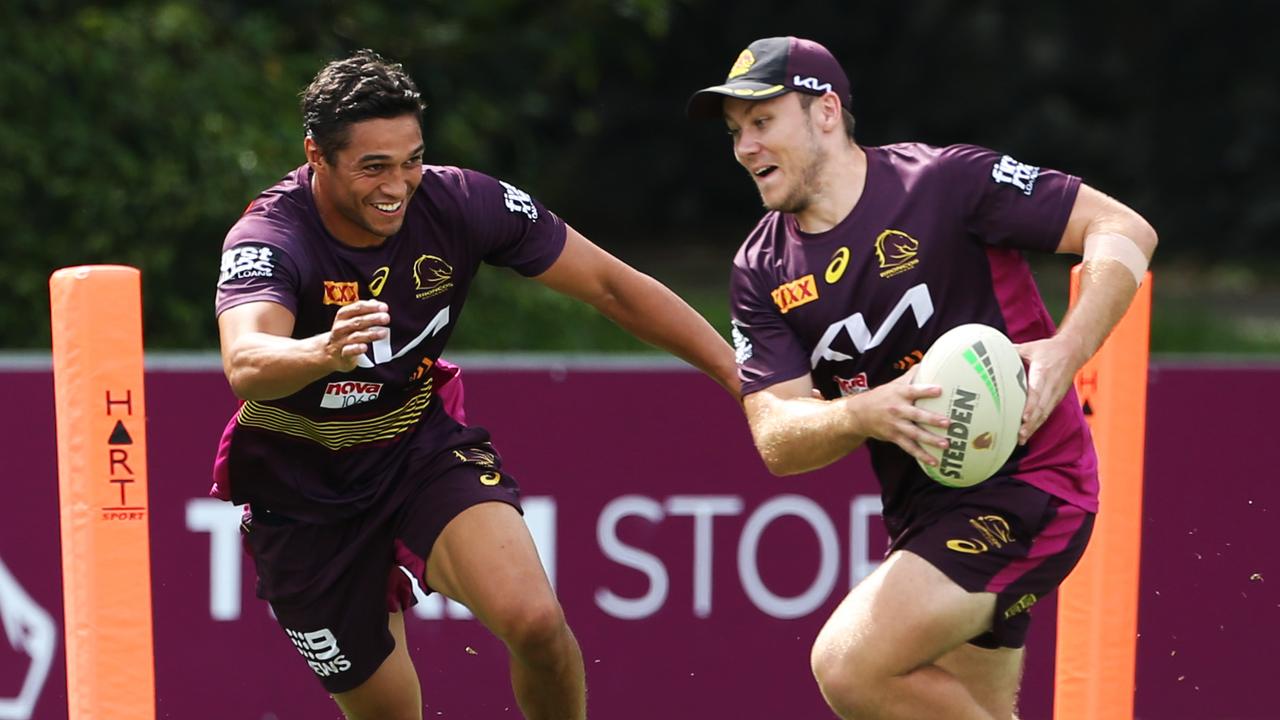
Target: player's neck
840	186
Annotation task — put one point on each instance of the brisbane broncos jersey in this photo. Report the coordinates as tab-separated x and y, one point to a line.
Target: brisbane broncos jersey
934	242
327	450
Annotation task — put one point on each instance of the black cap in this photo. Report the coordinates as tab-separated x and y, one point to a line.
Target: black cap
770	67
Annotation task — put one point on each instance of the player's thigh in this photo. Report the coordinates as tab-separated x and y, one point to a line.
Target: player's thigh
393	691
905	614
1005	538
485	559
992	675
464	535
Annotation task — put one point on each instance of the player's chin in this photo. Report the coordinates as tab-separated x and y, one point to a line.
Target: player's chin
384	226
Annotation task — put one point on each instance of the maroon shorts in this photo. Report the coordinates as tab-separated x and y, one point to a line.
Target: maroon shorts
332	585
1004	537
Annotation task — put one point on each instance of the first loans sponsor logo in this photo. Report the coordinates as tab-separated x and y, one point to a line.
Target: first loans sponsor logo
246	261
519	201
320	648
1008	171
346	393
340	293
789	296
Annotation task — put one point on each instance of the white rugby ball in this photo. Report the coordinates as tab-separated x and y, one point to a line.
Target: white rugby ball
984	390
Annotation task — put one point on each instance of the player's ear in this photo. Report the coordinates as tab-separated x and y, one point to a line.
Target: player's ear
315	157
829	106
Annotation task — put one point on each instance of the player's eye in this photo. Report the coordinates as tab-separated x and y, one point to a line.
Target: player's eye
374	168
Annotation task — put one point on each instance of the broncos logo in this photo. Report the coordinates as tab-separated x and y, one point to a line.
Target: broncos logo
896	251
432	275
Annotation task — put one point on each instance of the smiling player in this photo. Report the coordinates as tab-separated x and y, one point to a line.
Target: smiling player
339	288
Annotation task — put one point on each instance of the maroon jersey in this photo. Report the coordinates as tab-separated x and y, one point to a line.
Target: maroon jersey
934	242
328	450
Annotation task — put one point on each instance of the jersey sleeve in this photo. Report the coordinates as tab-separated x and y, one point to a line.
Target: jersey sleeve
512	228
256	267
1009	203
767	350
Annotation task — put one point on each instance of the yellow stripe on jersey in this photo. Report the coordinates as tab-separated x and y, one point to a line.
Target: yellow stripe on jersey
337	434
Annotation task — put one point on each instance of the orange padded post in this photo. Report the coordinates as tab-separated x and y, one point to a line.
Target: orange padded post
102	491
1098	603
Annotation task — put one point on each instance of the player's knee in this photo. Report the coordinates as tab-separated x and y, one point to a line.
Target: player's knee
846	686
534	629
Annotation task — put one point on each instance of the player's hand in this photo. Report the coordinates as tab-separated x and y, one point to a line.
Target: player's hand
1051	367
355	327
889	413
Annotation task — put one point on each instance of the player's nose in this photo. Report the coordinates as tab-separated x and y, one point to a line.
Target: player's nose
745	146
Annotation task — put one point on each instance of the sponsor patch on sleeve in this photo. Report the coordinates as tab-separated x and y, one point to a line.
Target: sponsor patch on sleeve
742	350
519	201
246	261
795	293
1008	171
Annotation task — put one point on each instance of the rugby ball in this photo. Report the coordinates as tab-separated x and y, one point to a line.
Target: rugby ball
984	390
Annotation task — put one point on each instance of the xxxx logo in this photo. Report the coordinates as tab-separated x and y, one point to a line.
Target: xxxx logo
795	293
340	293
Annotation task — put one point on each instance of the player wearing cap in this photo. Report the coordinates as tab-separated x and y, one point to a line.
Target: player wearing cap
865	256
340	286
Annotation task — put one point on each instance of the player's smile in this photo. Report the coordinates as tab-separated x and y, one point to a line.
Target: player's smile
363	194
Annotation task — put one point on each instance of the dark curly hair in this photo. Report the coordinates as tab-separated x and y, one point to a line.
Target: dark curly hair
359	87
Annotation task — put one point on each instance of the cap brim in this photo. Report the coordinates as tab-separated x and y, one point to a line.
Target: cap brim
708	103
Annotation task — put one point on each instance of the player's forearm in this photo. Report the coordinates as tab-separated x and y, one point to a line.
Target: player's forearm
799	434
261	366
1108	281
653	313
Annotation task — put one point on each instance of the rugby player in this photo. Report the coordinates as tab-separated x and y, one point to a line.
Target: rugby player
864	257
339	288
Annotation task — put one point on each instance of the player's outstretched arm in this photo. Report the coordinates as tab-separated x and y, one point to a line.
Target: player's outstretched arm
642	306
796	432
1117	244
262	361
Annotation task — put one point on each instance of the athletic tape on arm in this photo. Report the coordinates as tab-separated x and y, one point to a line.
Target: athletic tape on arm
1112	246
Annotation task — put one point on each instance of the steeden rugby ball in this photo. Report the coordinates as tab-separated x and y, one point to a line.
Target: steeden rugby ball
984	390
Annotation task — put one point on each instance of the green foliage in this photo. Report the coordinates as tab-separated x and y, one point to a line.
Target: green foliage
135	131
506	312
123	140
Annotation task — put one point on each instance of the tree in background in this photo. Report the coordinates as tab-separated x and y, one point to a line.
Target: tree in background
134	132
